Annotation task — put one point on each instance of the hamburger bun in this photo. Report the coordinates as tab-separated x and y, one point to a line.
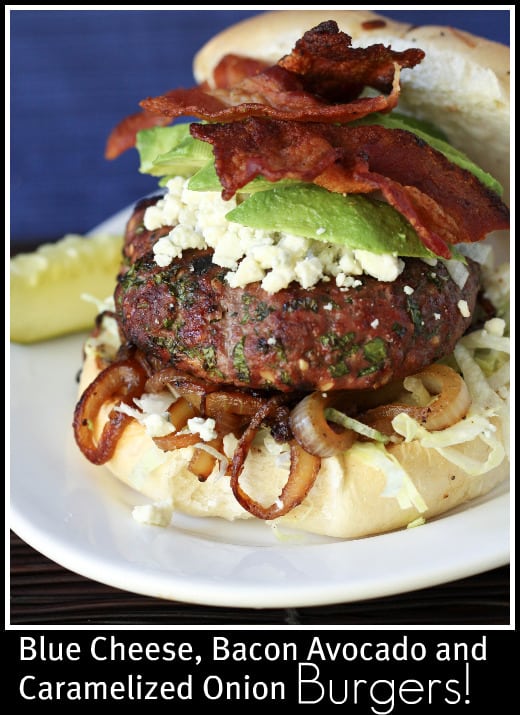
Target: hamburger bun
462	86
346	500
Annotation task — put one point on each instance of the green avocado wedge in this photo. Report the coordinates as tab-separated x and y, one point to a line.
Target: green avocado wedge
206	179
171	151
313	212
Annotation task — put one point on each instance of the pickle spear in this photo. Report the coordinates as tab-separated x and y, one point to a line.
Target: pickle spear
47	285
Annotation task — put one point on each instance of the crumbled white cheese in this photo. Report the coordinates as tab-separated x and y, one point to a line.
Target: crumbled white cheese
495	326
384	267
308	271
248	271
408	290
230	443
158	514
277	279
328	306
462	305
204	427
374	323
275	259
437	316
458	272
151	412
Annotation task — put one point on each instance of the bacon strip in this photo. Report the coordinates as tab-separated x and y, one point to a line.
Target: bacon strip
124	134
331	68
276	93
320	80
229	71
443	202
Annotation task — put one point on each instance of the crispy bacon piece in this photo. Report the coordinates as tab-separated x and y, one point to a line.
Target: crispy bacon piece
274	93
229	71
123	136
331	68
443	202
320	80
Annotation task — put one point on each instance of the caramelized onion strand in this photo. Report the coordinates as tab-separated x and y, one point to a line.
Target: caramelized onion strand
170	442
312	431
121	381
302	475
450	405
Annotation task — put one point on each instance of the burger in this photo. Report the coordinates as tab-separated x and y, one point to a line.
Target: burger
310	325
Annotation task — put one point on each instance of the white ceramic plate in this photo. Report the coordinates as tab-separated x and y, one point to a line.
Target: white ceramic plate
79	516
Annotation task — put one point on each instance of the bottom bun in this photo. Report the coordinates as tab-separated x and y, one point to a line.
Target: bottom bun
345	501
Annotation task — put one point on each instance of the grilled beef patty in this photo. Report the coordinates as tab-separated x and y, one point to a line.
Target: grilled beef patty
323	338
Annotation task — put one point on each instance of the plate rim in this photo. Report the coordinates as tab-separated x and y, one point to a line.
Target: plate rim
247	596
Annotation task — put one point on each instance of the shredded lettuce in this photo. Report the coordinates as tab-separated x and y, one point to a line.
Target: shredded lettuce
482	357
350	423
500	377
481	393
482	339
445	441
416	522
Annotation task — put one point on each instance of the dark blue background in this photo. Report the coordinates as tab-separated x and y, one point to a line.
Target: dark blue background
76	73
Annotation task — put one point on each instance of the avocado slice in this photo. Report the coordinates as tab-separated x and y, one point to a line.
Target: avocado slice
310	211
171	151
206	179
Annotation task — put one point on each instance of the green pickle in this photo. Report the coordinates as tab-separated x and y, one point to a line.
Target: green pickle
47	286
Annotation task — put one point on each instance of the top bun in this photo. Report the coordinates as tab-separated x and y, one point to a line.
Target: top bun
462	85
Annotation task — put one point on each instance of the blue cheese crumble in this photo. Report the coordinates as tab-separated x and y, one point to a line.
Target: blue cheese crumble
204	427
273	258
151	412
